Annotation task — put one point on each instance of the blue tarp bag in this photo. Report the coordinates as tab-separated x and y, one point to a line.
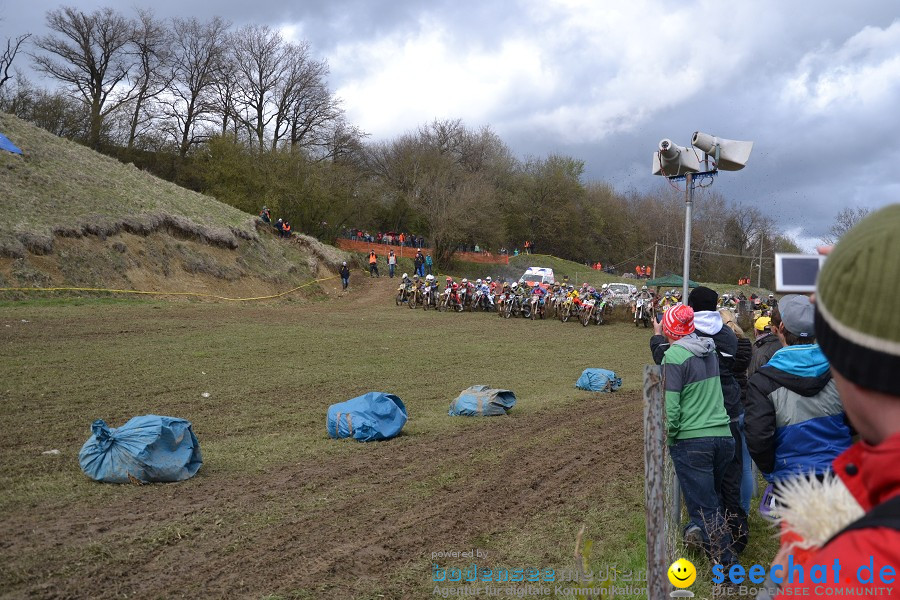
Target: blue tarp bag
482	401
598	380
7	145
372	416
148	448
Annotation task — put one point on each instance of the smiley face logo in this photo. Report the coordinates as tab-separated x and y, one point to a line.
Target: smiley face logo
682	573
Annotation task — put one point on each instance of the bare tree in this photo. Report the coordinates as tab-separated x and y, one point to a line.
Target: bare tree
88	53
314	115
9	55
226	103
260	56
198	64
152	77
844	222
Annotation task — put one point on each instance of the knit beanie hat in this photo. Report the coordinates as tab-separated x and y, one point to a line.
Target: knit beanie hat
856	324
678	321
703	298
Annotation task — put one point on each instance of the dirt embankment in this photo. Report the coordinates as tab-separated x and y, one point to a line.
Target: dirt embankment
170	259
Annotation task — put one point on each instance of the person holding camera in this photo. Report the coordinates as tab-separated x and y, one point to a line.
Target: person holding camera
860	337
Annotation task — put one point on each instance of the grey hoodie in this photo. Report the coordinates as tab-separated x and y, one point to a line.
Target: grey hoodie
698	346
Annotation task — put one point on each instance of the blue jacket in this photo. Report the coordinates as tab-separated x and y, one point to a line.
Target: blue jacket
794	421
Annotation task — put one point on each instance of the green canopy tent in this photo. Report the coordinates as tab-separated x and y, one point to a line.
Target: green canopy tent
675	281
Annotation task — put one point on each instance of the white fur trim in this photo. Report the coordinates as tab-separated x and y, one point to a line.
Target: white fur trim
816	510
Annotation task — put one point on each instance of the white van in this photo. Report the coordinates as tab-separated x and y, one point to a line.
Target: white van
539	275
622	291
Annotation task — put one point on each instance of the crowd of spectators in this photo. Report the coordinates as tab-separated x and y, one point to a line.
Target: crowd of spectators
391	238
282	227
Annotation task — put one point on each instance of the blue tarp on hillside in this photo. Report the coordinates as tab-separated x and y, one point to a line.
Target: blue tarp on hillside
482	401
598	380
148	448
7	145
372	416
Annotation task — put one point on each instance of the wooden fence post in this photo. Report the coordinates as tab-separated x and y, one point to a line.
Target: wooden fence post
655	482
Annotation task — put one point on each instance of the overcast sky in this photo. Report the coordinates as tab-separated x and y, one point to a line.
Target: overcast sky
814	84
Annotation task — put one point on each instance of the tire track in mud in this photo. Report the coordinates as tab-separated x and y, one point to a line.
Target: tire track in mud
385	507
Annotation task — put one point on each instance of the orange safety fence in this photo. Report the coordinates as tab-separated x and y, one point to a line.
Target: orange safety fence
409	252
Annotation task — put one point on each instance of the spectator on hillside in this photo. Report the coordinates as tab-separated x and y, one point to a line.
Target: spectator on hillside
373	264
419	263
766	343
279	227
392	263
862	345
345	275
429	265
697	427
265	215
795	421
286	230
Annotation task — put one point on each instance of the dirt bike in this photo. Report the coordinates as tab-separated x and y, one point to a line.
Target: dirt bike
513	306
502	299
480	300
643	312
403	293
465	298
430	297
537	308
566	309
587	312
599	310
554	306
415	297
449	301
526	308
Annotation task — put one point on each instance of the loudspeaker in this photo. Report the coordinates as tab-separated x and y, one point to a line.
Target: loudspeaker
733	154
673	159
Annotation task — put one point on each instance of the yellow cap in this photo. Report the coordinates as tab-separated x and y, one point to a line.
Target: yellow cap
762	323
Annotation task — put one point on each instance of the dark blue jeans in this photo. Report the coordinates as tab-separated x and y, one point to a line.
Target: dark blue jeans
700	465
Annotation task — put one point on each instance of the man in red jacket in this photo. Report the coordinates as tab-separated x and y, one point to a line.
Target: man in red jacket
860	336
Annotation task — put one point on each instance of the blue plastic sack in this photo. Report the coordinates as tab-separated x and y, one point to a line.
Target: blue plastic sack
598	380
482	401
148	448
7	145
372	416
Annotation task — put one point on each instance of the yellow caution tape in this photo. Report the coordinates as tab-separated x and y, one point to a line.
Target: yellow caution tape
141	292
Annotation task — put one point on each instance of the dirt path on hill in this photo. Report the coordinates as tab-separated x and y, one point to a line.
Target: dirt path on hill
352	526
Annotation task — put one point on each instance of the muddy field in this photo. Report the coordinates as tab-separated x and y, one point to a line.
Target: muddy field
278	509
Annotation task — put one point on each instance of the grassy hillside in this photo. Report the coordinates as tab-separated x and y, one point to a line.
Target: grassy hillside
60	183
71	216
